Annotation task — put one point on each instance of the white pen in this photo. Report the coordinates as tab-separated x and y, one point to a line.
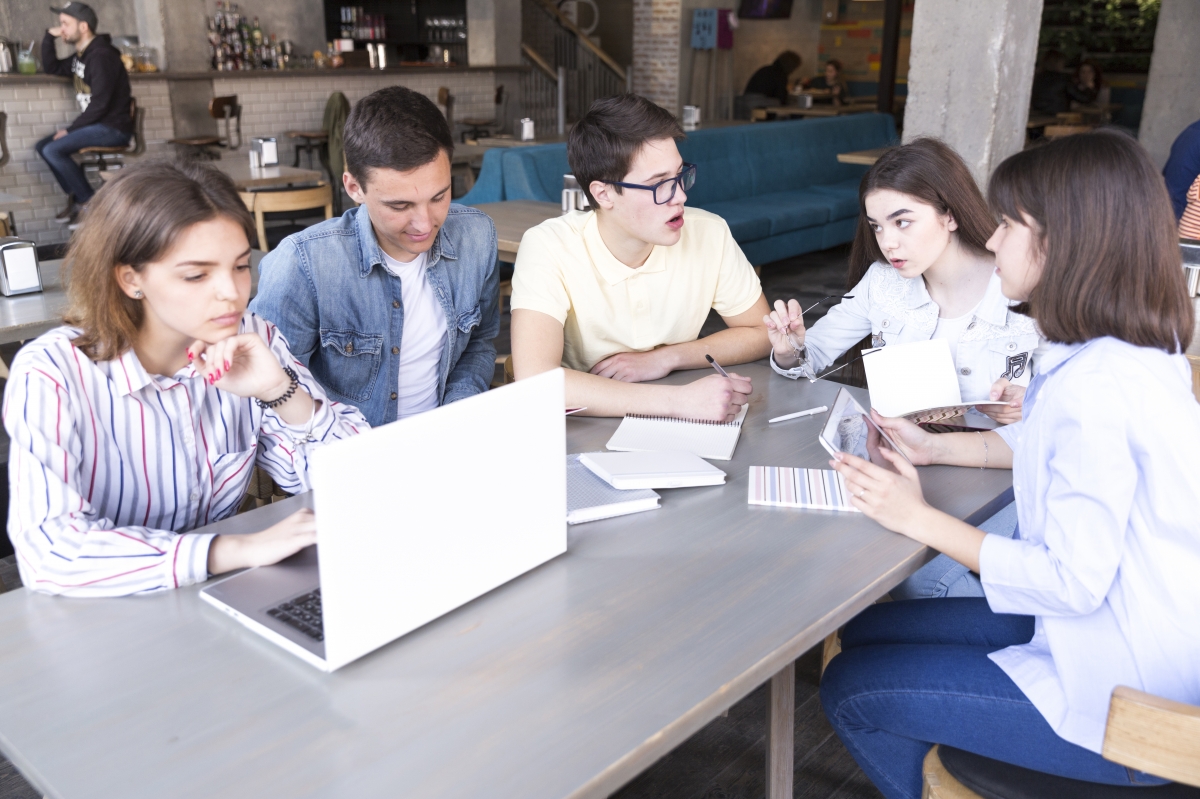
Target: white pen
798	414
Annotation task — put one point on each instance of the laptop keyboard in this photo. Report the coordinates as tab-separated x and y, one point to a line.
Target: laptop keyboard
302	613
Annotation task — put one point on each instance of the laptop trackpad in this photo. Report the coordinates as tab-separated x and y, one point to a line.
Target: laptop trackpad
256	591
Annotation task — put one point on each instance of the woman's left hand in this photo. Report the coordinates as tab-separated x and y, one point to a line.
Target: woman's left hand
242	365
1004	391
892	498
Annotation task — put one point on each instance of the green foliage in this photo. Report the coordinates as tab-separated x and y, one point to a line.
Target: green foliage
1117	33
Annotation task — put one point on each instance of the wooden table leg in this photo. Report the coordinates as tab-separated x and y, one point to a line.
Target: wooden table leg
781	720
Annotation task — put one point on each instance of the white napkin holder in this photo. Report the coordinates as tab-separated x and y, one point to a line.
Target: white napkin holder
267	149
19	270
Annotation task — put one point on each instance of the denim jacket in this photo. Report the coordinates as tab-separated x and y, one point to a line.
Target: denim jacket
997	343
326	288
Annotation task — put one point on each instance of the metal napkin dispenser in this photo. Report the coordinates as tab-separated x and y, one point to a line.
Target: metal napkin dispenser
19	270
267	148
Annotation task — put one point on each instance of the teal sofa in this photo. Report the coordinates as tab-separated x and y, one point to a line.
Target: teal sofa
778	184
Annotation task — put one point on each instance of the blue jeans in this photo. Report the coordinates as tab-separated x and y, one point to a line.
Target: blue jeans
914	674
57	155
945	577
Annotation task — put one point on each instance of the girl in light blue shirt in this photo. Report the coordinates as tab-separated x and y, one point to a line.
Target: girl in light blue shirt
1099	588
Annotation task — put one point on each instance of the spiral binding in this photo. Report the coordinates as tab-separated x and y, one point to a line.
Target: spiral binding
734	423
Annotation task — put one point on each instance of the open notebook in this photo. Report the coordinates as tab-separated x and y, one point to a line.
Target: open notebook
713	440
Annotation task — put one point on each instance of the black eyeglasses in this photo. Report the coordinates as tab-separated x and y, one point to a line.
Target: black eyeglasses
662	194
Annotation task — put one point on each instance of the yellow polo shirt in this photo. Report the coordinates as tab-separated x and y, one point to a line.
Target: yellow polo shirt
565	271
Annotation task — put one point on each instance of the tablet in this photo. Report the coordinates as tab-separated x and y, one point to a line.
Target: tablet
846	430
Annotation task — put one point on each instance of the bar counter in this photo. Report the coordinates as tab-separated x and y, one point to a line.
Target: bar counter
17	79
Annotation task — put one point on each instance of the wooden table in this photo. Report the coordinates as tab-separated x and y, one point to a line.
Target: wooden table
862	157
761	114
266	177
27	316
566	682
8	204
512	218
508	141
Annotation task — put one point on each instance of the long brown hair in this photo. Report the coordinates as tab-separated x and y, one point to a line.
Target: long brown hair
930	171
1107	230
135	219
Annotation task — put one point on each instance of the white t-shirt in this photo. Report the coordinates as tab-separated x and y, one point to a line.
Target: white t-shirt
952	330
423	338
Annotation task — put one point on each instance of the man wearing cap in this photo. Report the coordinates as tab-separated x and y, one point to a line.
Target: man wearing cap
102	91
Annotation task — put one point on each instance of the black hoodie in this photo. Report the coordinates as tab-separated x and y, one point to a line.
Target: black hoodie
101	82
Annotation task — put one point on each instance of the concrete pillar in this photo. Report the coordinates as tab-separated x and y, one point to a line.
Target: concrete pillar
493	33
1172	102
970	75
657	26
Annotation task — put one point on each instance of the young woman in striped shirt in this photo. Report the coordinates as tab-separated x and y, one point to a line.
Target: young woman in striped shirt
145	418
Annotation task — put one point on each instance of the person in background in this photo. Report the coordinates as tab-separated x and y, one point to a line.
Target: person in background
1087	86
144	418
618	295
1099	588
102	92
395	304
773	80
1189	223
920	270
831	79
1050	85
1183	166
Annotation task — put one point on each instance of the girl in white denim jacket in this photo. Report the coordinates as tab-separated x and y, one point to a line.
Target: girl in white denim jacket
921	233
921	236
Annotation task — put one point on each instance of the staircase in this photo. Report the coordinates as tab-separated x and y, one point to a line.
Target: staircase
567	68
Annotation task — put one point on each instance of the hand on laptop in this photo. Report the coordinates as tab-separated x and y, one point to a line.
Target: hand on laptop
229	552
1014	395
714	398
785	325
633	367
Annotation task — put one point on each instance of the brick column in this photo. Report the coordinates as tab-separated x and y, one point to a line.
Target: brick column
656	32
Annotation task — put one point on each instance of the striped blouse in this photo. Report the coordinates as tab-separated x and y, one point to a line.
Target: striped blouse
110	466
1189	223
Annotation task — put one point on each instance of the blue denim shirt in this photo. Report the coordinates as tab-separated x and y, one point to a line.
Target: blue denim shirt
326	288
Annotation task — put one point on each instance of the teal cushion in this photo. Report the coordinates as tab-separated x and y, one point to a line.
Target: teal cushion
535	173
745	223
843	196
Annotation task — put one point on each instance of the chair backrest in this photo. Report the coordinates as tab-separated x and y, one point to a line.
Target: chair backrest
265	202
1194	360
446	100
1154	735
4	155
139	122
227	108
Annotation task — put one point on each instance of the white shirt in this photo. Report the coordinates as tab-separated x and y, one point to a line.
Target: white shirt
1106	472
952	330
422	340
110	464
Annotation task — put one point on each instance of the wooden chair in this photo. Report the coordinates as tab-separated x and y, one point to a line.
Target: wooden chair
1144	732
261	491
104	157
1194	360
1069	117
266	202
479	127
446	101
219	108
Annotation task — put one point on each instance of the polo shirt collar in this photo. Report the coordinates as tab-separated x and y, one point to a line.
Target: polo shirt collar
612	270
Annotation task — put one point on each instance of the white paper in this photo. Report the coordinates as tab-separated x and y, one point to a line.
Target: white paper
903	378
20	265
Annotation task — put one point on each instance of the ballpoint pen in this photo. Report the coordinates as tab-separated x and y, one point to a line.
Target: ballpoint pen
716	365
798	349
798	414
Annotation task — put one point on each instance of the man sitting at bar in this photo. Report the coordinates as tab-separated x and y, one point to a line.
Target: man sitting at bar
393	305
103	93
618	295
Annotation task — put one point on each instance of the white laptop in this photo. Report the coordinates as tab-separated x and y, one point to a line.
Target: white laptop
415	519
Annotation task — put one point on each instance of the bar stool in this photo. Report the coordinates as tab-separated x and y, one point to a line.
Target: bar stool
104	157
265	202
310	142
1144	732
219	108
479	127
326	143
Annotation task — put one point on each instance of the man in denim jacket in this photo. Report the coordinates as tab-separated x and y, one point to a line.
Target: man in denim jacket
393	306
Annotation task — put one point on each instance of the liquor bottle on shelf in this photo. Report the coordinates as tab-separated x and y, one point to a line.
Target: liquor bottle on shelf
256	33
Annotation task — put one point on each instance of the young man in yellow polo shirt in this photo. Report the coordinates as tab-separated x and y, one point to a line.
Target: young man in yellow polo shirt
618	295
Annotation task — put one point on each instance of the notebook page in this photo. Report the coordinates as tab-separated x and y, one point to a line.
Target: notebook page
903	378
712	440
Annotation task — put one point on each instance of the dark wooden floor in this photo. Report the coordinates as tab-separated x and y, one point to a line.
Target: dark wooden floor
726	759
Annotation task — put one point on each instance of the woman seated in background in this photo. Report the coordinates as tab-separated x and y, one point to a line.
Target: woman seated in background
920	270
145	418
774	79
1099	589
831	80
1087	85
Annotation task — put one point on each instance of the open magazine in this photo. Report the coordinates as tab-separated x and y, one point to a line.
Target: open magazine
918	381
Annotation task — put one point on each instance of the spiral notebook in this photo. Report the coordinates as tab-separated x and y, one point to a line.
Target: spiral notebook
590	498
787	487
713	440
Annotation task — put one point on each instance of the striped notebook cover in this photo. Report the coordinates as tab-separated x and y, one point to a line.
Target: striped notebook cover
786	487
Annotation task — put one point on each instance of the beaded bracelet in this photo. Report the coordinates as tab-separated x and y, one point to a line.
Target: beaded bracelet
287	395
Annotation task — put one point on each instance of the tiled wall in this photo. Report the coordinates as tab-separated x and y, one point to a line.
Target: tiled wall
656	34
271	106
36	110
